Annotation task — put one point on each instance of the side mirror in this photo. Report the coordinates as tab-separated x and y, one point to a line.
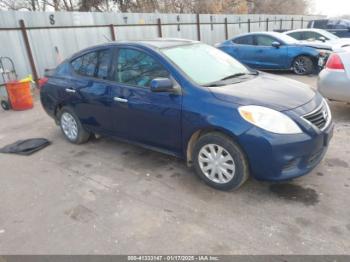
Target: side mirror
276	44
322	38
162	85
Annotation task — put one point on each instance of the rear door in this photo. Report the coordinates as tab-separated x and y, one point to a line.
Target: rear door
244	49
91	89
268	56
151	118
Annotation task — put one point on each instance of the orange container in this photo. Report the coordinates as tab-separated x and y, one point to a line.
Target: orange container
19	95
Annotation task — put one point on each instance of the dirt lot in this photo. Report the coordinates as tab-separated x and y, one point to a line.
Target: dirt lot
107	197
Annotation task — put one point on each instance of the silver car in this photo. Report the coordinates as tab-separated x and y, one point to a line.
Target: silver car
334	79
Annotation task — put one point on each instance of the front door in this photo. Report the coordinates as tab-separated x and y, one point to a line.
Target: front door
151	118
268	56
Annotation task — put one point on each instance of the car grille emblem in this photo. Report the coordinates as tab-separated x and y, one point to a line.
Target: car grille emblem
319	117
325	114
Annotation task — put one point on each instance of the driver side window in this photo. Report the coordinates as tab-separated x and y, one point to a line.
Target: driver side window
137	68
264	40
310	36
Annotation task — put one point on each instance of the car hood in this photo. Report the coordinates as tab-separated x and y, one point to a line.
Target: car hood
338	44
330	44
267	90
315	44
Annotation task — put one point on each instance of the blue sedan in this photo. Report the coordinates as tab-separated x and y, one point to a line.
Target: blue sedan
192	101
273	51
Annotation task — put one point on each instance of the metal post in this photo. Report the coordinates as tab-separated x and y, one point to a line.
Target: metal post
292	23
302	22
267	24
111	26
29	50
281	24
160	34
198	28
226	28
248	25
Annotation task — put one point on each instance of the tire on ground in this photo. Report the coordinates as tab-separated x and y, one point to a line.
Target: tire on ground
242	168
83	135
308	65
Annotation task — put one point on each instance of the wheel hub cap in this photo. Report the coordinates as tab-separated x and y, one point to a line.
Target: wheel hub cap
216	163
69	126
300	66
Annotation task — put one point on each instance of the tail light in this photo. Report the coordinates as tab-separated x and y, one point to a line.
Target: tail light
334	62
42	82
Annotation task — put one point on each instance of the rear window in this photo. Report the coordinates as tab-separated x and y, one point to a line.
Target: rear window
61	70
322	24
245	40
93	64
86	64
296	35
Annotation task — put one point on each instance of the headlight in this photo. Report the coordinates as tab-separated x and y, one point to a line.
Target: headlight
269	119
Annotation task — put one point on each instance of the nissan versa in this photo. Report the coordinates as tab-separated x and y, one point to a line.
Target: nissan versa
193	101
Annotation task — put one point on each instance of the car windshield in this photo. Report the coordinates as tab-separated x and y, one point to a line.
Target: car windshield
205	64
328	35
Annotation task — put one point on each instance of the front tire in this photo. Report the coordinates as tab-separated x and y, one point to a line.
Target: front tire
303	65
220	162
72	128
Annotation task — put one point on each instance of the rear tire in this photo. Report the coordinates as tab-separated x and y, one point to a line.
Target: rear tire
220	162
303	65
71	127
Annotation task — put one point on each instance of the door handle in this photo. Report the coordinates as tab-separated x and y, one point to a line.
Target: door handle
121	100
70	90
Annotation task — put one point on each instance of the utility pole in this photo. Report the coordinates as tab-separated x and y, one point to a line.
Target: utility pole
33	5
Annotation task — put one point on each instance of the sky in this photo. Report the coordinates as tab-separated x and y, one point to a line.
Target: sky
331	7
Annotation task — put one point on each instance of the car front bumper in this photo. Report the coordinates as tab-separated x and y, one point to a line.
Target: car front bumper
275	157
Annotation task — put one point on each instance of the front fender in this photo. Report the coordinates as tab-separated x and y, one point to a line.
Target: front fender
294	52
223	118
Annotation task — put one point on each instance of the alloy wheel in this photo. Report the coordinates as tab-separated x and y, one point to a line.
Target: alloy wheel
69	126
300	66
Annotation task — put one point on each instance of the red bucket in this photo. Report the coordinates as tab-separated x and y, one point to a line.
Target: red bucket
20	95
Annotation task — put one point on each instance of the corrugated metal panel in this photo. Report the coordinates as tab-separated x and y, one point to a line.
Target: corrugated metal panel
46	42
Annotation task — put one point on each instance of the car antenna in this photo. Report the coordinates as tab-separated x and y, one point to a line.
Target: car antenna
108	39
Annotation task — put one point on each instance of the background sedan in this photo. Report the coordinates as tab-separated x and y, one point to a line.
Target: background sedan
334	80
321	37
272	51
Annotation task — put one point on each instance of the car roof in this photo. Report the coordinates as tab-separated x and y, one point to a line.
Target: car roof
157	43
275	34
305	30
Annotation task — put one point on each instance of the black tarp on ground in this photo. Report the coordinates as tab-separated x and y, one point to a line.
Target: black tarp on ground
26	147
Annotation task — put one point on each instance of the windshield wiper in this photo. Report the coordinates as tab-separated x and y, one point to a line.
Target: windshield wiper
221	82
239	74
233	76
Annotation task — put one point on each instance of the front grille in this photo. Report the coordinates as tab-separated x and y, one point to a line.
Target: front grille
319	117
